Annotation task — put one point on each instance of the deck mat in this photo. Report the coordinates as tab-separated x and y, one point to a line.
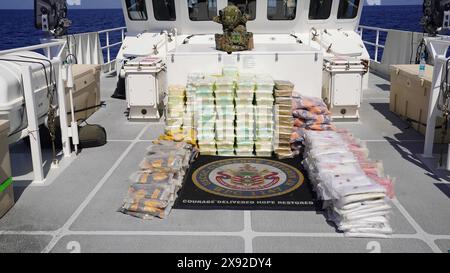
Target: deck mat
218	183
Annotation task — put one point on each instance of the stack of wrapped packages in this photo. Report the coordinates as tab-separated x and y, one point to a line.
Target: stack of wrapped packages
353	188
205	115
226	114
245	117
264	115
175	108
283	119
309	114
154	188
189	121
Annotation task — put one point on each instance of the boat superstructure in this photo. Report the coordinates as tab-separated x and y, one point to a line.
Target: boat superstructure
75	208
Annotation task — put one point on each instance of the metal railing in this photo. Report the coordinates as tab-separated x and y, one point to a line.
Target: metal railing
47	48
109	63
377	45
54	51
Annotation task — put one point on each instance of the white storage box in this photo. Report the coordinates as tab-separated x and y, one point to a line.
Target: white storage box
342	86
145	85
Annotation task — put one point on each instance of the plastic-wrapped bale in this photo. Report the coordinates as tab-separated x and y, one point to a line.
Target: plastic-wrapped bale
175	108
148	201
205	116
245	90
245	130
265	130
373	169
230	71
283	119
191	89
205	87
225	137
264	91
156	185
264	115
226	115
353	200
309	113
245	115
204	111
284	88
264	86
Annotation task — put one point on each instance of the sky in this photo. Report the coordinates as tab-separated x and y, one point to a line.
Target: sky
90	4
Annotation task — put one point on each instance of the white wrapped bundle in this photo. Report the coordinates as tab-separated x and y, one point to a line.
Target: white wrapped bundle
225	148
205	87
264	83
230	71
354	201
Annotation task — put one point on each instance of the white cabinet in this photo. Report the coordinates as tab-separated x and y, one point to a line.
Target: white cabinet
145	84
342	86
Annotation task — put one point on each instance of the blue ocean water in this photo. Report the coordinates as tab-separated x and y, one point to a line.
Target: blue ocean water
17	26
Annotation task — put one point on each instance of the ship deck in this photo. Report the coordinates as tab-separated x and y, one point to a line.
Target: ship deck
76	208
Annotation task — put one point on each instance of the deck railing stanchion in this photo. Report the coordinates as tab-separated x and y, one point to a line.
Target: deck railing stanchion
108	50
33	125
109	61
377	42
63	110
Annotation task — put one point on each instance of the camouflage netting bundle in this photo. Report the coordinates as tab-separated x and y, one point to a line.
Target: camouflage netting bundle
235	36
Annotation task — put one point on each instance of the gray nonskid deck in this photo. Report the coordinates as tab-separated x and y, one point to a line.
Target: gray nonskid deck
78	211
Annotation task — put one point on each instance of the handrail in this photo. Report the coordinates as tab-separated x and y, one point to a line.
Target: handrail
109	61
111	29
375	44
46	46
374	28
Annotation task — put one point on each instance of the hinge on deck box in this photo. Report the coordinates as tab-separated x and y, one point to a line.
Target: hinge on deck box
173	58
219	58
276	57
238	57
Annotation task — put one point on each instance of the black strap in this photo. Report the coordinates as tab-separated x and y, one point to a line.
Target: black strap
88	108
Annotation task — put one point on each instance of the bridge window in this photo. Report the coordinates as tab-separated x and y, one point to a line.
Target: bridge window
202	10
348	9
137	11
246	6
320	9
164	10
281	9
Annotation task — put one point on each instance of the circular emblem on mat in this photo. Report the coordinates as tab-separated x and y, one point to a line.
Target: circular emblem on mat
250	178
